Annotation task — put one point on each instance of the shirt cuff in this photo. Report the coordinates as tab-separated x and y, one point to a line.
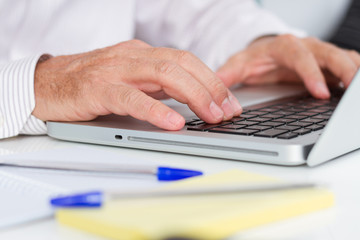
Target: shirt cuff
17	98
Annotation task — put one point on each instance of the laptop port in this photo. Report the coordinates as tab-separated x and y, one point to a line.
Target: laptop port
118	137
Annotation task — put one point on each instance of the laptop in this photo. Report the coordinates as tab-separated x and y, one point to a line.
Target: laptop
280	125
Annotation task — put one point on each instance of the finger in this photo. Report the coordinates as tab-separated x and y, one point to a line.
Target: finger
234	101
176	82
159	95
334	59
133	102
275	76
355	56
292	53
239	68
203	75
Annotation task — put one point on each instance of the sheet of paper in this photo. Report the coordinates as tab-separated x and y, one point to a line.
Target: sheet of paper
25	192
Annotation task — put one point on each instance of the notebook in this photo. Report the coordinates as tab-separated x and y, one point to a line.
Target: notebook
25	192
284	127
197	217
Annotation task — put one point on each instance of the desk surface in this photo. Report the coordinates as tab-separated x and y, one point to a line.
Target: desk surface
341	175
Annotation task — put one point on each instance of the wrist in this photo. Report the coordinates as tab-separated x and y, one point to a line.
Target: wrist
40	76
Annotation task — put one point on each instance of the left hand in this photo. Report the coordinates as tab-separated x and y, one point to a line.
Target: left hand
287	58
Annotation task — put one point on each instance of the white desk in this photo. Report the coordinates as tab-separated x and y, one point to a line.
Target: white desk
342	175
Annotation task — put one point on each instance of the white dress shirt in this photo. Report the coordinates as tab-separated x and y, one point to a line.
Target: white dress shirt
211	29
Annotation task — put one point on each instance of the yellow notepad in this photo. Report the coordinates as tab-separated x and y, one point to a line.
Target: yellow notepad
199	217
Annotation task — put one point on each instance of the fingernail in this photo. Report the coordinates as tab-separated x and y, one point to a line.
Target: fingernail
216	111
236	105
323	90
228	109
175	119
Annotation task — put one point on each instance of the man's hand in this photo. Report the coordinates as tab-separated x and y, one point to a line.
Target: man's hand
287	58
121	79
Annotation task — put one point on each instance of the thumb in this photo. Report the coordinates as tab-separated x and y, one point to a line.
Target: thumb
231	72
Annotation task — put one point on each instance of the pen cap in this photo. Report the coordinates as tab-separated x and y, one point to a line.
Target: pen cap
170	174
89	199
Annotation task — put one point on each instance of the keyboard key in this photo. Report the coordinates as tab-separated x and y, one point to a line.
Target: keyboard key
259	112
233	126
248	115
246	122
241	131
298	110
272	124
313	120
323	123
291	104
315	127
260	119
285	120
309	114
267	109
287	127
319	110
286	113
324	117
302	131
204	127
329	113
259	127
272	116
297	117
237	119
195	122
270	133
300	124
288	135
279	107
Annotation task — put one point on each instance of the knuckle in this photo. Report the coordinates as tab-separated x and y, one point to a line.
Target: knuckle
166	67
333	55
151	108
312	40
218	88
135	103
354	54
131	44
126	97
184	56
291	44
288	38
133	64
197	94
137	42
156	51
300	54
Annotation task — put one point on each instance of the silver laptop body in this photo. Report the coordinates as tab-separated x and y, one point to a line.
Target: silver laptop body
341	134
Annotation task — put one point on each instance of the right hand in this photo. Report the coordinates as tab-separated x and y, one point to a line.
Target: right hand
122	78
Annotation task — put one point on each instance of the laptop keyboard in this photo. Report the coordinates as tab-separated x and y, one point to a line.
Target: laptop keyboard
285	120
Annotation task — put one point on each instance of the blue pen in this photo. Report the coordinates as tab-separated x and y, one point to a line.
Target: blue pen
98	198
162	173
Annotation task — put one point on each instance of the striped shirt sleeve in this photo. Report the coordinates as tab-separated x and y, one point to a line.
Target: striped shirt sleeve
17	99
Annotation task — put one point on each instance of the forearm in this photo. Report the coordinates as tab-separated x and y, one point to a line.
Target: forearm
17	99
